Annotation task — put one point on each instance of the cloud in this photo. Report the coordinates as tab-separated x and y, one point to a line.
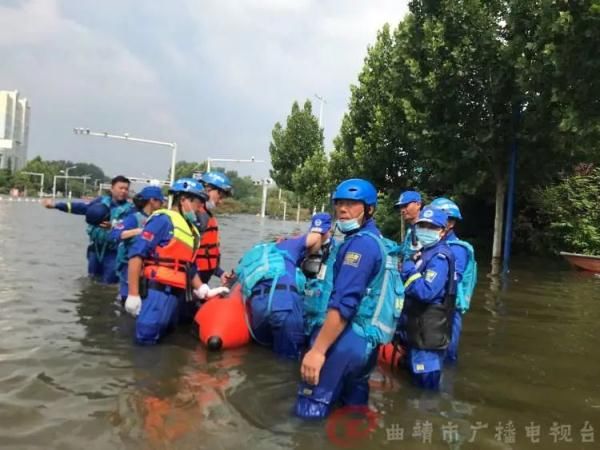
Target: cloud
213	75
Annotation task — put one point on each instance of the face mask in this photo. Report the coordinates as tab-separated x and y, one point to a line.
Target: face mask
210	205
346	226
190	216
427	237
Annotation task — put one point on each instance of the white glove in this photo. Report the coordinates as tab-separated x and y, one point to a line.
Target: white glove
217	291
202	291
133	305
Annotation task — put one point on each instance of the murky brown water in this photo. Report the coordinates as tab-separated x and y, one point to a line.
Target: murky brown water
71	378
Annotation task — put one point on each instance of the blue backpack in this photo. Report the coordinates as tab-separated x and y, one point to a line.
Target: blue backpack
464	290
380	309
264	261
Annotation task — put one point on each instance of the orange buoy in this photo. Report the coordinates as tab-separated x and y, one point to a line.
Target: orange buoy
222	321
391	355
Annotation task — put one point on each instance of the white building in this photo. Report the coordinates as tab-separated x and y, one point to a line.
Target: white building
14	130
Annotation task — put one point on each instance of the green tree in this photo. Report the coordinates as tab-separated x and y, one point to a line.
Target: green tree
570	213
293	145
185	169
312	179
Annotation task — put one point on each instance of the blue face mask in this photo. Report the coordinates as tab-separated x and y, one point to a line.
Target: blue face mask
346	226
427	237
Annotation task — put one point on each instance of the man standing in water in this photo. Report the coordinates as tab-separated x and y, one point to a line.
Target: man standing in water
269	276
150	199
466	272
363	309
102	214
162	256
430	299
409	205
217	186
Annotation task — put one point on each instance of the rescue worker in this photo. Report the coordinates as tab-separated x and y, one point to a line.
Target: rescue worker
409	205
273	285
430	296
362	310
217	186
162	257
101	214
149	199
465	268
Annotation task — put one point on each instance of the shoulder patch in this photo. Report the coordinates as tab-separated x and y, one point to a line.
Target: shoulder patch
147	235
430	275
352	259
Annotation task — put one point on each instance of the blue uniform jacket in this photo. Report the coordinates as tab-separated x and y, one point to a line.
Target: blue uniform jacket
425	280
357	263
80	208
130	222
461	256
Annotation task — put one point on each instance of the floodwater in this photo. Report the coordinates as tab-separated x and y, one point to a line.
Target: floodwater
71	377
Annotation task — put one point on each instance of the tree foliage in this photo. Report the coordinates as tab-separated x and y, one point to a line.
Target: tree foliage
23	181
441	99
293	145
570	213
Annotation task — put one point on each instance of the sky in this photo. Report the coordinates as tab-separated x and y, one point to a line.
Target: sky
213	76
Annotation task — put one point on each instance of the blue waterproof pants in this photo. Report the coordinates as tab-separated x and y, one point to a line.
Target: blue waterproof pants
452	351
426	367
159	314
344	377
282	327
106	269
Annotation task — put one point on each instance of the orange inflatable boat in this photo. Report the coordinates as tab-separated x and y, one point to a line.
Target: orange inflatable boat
391	356
222	321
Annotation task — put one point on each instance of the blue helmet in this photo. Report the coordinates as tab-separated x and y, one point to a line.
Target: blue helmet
218	180
97	213
188	186
448	206
356	189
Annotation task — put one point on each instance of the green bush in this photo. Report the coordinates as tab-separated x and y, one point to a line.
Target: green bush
571	212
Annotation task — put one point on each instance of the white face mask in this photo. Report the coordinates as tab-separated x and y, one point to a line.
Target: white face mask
210	205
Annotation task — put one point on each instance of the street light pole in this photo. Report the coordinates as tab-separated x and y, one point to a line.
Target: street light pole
322	100
67	179
251	160
126	137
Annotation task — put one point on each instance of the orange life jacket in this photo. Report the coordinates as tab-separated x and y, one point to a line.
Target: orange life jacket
170	263
208	255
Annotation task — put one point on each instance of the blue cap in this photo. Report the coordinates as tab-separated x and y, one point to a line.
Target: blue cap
408	197
150	192
434	216
320	223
